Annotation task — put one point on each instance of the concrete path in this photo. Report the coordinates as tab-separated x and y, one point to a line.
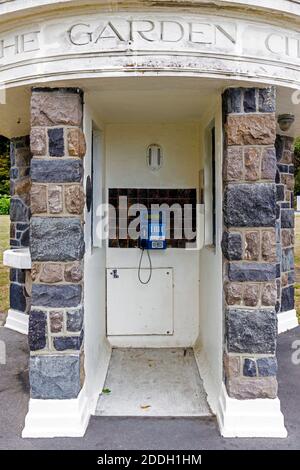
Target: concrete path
140	433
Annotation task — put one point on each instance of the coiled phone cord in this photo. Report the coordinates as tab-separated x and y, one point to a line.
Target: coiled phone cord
140	268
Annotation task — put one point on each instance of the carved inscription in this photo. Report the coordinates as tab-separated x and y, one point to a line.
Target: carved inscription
82	34
19	44
110	33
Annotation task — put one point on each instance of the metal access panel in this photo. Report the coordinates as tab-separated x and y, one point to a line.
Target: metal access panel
139	309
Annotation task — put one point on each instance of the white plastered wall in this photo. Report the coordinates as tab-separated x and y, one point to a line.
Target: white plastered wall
97	348
126	166
209	346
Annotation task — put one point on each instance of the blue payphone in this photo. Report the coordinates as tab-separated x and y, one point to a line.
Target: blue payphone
152	230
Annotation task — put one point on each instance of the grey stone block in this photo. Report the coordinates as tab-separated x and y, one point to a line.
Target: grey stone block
56	239
251	331
19	212
250	205
12	153
24	239
283	168
17	297
13	275
267	100
62	343
232	100
280	192
54	377
249	100
44	295
287	299
22	226
56	142
248	272
37	330
249	368
267	366
287	218
232	246
56	170
287	259
17	275
75	319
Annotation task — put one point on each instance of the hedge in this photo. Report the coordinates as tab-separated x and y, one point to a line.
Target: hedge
4	205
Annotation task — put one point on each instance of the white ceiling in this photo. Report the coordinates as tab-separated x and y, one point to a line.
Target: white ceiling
138	99
171	105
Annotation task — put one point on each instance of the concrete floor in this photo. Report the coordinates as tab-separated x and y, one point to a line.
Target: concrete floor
139	433
153	382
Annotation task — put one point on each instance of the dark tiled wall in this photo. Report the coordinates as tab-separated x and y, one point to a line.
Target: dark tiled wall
147	197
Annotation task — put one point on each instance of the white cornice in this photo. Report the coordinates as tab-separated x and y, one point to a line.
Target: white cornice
281	10
51	49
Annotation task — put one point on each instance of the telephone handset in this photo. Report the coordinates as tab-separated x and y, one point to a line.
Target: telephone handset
152	237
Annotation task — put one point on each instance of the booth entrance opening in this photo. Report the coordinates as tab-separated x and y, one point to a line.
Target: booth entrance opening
155	155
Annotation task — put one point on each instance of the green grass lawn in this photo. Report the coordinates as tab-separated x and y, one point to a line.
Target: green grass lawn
4	272
297	265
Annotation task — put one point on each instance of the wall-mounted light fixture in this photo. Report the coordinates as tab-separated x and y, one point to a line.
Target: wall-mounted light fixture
154	156
285	121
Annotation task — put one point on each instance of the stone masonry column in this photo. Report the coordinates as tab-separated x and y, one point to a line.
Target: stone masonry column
20	280
249	243
56	244
285	223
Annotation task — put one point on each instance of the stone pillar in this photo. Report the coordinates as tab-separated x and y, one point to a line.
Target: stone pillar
285	223
56	244
249	243
20	157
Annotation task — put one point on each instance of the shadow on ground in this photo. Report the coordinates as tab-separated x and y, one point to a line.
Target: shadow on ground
139	433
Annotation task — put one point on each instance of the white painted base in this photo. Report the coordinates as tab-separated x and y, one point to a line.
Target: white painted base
18	258
17	321
100	376
58	418
250	418
210	385
287	321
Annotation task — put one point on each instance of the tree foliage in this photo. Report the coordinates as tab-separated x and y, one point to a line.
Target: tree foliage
4	166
